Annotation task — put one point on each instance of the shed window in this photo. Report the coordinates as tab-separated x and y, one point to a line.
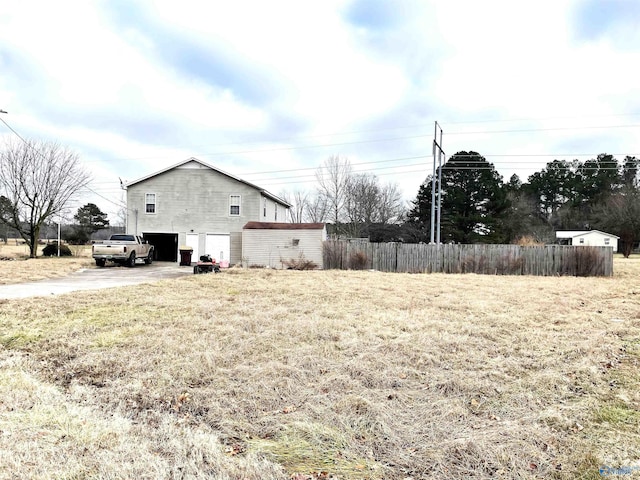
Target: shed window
234	205
606	241
582	240
150	203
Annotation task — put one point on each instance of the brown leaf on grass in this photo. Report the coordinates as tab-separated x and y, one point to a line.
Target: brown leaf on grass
312	476
299	476
234	449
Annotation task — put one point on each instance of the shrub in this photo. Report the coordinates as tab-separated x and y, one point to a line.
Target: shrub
332	254
528	241
358	261
51	250
300	263
77	236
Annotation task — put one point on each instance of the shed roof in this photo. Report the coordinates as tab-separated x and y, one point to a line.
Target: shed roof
193	159
580	233
282	226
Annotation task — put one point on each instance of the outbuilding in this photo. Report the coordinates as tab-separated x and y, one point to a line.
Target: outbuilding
594	238
197	206
280	245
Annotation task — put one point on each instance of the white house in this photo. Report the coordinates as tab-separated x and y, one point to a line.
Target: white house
594	238
197	205
271	244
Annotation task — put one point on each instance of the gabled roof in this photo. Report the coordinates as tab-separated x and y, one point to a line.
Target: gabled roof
580	233
204	164
282	226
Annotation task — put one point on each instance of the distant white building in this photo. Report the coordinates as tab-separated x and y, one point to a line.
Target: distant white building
594	238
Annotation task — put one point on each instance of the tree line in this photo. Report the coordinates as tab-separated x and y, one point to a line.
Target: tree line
37	179
476	204
353	203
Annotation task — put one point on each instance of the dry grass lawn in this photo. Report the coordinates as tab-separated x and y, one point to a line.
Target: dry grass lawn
17	267
259	374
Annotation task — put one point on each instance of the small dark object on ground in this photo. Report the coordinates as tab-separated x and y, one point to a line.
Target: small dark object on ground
51	250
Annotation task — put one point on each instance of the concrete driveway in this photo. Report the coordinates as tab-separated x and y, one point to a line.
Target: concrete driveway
96	278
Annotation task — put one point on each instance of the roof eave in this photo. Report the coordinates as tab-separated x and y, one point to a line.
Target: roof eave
194	159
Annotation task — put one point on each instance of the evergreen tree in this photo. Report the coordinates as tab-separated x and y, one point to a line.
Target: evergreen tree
89	219
474	201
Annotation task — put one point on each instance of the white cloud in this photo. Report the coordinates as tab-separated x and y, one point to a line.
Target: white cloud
279	75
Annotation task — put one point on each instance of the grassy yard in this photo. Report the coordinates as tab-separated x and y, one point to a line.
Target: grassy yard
17	267
260	374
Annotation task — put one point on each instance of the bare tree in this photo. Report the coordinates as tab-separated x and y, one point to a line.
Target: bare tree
121	217
361	202
367	202
38	179
621	215
333	180
390	206
298	201
317	209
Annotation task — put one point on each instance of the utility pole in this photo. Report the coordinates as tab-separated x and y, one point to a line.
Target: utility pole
438	153
441	159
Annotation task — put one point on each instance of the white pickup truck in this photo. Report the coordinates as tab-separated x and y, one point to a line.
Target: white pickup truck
123	250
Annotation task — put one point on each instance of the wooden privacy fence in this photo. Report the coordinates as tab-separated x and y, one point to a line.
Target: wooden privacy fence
485	259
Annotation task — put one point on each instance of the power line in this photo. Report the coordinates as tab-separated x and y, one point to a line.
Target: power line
352	164
542	129
29	145
559	117
385	130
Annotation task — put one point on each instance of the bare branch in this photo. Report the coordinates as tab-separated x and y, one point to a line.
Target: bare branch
38	179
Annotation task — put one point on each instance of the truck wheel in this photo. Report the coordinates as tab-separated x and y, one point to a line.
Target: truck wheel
100	262
149	259
132	260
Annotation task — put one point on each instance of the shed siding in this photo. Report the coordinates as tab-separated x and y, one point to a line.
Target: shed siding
271	247
236	247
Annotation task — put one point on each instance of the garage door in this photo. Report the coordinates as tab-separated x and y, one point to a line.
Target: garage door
192	241
165	246
219	246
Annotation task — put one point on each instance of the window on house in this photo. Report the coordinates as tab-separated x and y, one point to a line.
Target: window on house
150	203
234	205
264	207
275	217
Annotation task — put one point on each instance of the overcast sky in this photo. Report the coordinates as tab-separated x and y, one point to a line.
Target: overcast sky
255	87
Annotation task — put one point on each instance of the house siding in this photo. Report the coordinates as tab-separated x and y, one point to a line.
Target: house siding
594	238
271	247
193	198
